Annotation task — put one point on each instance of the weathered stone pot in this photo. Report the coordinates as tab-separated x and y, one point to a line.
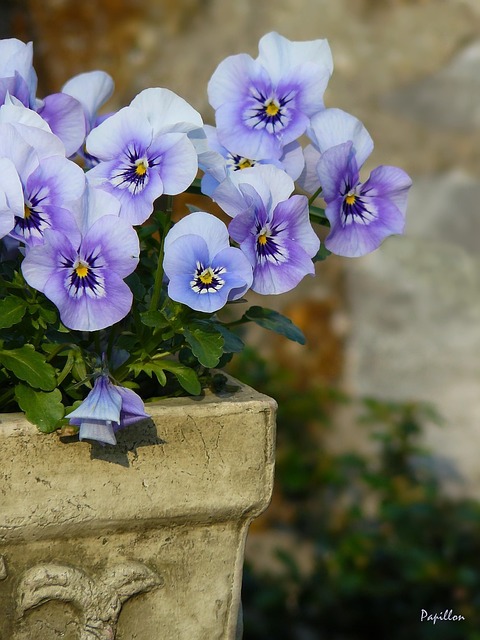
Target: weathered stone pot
136	542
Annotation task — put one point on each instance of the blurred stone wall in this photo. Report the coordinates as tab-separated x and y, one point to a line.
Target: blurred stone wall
404	322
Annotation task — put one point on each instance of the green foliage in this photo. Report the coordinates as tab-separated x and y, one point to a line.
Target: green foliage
30	366
43	409
269	319
384	539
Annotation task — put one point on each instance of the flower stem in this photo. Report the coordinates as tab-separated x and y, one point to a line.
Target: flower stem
318	215
7	396
165	220
312	198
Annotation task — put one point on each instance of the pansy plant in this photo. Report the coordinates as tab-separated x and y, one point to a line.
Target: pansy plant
110	295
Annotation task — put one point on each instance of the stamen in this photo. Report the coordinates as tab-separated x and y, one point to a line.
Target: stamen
350	198
354	208
141	166
270	246
83	278
27	212
206	277
245	163
81	270
272	108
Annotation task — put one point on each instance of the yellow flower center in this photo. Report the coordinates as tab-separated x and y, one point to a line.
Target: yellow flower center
262	238
206	277
141	166
244	163
272	108
350	198
81	270
27	212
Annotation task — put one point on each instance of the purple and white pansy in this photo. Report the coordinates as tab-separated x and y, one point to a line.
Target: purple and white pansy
272	227
84	278
203	270
106	409
361	214
63	113
327	129
144	151
38	185
217	163
262	105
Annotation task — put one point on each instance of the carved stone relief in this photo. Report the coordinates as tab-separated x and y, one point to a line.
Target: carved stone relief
98	599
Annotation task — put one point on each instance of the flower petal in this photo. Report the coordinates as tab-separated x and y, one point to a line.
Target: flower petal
65	118
331	127
209	227
113	137
102	403
92	89
166	111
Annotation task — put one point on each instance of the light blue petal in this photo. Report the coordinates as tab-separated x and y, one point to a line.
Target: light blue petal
334	126
207	226
100	431
102	403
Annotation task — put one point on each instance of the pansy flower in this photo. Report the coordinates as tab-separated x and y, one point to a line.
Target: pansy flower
107	408
62	112
272	227
85	279
327	129
203	270
218	162
261	105
38	185
145	151
361	214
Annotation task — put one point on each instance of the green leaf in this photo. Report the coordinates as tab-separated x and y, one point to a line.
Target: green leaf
49	315
42	409
152	367
136	286
154	318
30	366
322	254
12	310
318	216
185	376
205	342
269	319
233	344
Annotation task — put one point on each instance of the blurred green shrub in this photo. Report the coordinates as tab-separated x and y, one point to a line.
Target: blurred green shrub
387	541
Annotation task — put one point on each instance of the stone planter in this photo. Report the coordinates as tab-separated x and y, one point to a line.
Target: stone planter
140	541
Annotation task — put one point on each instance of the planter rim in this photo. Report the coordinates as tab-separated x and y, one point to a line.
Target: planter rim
195	461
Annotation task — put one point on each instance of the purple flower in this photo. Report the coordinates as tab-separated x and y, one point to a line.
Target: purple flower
261	105
145	151
38	185
17	75
85	280
361	214
63	113
218	162
204	271
327	129
107	408
273	229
